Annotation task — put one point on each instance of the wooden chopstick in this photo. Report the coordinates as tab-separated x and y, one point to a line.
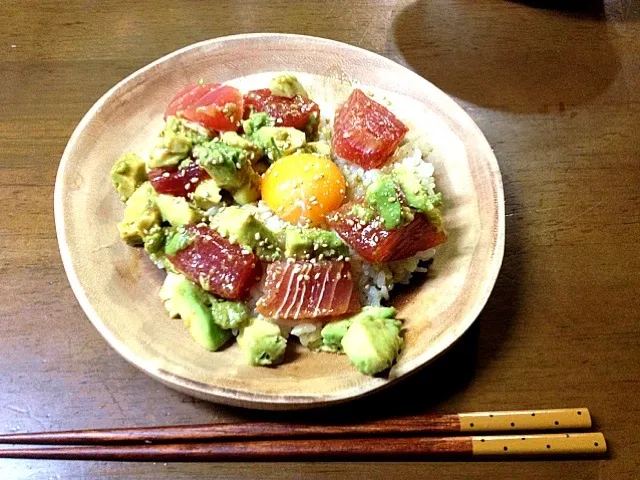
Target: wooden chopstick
477	422
584	444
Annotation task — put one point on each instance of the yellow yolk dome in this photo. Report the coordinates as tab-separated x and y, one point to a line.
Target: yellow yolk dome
302	188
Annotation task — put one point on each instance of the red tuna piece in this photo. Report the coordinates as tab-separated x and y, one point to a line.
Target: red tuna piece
376	244
219	266
177	182
308	290
288	112
365	132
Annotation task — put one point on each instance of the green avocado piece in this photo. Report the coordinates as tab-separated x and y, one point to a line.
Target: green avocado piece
183	298
415	194
154	240
279	141
141	215
127	174
228	314
177	240
234	140
207	194
241	226
176	142
383	197
230	168
333	332
177	211
372	344
306	243
256	121
319	148
287	85
262	343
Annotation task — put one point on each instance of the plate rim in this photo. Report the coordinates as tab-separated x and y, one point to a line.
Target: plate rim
261	400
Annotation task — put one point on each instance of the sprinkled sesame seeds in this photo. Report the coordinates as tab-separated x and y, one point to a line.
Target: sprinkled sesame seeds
306	277
166	175
187	186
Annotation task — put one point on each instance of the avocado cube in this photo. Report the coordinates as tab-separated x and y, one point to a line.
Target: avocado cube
383	197
279	141
372	344
141	214
305	243
287	85
177	211
240	226
207	194
228	314
262	343
332	335
127	174
189	301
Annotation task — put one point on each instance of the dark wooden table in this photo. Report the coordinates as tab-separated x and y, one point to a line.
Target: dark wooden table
557	93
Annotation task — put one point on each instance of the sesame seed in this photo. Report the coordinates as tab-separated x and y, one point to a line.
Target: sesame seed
257	236
187	186
316	276
245	251
307	277
166	175
300	277
194	180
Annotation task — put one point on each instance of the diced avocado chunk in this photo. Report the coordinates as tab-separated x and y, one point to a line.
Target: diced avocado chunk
230	168
207	194
256	121
305	243
241	226
372	344
127	174
141	215
169	286
363	212
319	148
333	332
178	240
287	85
154	240
190	302
176	142
234	140
262	343
415	194
279	141
383	197
177	211
228	314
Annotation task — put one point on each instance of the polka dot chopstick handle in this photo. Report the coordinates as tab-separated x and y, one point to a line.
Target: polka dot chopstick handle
525	420
543	444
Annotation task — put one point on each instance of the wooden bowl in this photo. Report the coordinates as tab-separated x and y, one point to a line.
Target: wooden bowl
117	285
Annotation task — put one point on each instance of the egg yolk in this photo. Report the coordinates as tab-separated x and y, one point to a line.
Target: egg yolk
302	188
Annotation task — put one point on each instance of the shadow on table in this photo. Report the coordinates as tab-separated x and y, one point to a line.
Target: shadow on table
507	56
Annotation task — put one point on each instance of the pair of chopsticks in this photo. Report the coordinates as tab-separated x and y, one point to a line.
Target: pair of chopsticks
470	435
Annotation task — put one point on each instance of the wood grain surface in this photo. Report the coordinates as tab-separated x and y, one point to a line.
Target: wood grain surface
556	92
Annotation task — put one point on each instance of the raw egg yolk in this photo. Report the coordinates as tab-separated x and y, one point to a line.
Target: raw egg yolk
302	188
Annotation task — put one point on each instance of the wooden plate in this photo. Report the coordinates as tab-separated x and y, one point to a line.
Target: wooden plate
117	286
